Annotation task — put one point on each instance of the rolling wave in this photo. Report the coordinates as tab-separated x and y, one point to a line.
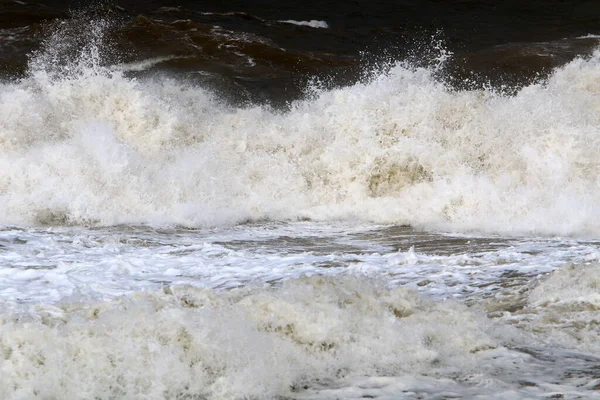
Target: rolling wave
83	143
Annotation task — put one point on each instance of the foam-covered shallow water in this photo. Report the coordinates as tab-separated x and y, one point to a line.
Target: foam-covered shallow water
51	264
298	310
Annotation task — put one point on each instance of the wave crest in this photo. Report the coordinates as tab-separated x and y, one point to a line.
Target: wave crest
99	147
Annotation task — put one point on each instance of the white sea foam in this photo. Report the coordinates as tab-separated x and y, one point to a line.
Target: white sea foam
317	338
83	144
313	23
589	36
565	308
49	266
250	343
307	310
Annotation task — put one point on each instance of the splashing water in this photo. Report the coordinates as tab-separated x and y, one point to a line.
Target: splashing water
82	143
294	310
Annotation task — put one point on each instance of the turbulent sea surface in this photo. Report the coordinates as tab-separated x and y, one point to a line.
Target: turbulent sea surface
216	200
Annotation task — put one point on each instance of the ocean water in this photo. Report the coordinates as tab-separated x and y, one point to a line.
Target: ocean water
172	226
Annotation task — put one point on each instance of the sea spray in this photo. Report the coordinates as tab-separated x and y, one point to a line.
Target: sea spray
94	146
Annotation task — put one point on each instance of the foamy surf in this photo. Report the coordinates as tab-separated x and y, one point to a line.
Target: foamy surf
157	242
87	144
315	338
49	265
190	343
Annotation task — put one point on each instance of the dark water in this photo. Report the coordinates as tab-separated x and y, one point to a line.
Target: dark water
243	49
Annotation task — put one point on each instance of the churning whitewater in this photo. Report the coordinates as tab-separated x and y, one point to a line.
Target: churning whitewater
159	242
84	143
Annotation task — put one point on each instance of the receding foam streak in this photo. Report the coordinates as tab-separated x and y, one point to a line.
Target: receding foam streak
93	146
313	23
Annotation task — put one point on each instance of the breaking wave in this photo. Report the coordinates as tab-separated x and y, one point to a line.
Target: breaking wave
191	343
84	143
